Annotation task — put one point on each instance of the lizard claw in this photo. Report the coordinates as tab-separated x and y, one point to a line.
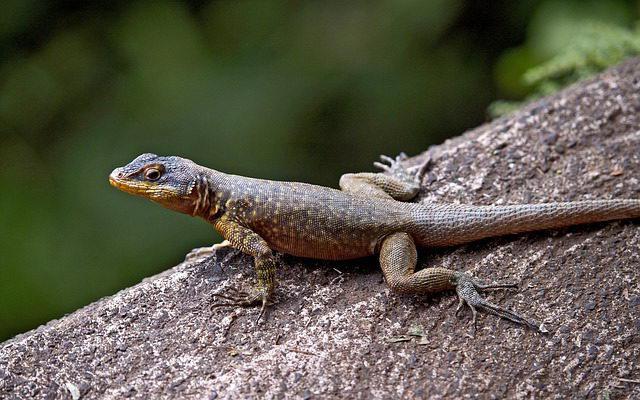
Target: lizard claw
240	298
204	252
389	164
199	253
393	166
421	169
388	159
468	293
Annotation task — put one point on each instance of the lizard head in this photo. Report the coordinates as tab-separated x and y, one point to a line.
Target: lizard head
168	181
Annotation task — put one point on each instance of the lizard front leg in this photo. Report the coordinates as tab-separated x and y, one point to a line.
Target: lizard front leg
249	242
398	257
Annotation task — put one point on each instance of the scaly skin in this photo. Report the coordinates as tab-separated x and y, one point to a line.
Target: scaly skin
368	216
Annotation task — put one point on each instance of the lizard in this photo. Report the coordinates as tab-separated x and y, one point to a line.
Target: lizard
371	214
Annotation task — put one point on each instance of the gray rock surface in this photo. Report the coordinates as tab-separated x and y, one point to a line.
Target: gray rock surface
337	331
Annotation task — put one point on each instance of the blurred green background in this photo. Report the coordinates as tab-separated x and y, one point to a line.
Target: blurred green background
275	89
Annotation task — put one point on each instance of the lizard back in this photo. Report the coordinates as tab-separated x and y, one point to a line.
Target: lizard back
314	221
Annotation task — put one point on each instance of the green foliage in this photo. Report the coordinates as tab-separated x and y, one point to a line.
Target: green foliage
596	47
569	41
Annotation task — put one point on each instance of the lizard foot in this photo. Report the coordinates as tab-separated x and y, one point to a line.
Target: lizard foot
394	166
468	292
241	298
199	253
203	252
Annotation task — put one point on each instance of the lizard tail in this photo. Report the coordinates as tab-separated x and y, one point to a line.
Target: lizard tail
447	225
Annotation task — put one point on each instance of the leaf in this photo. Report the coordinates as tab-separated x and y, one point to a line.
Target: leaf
398	339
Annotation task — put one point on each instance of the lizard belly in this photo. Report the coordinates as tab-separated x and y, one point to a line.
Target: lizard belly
335	246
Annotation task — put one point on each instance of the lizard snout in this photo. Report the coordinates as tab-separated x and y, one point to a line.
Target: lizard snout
115	177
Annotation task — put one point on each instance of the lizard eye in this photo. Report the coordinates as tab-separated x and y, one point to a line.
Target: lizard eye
152	174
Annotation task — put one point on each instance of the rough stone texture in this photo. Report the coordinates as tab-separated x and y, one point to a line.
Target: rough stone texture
337	331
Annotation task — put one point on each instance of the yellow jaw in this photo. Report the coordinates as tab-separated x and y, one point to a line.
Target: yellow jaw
141	188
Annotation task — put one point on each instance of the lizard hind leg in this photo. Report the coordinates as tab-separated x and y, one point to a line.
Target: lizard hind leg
397	183
398	258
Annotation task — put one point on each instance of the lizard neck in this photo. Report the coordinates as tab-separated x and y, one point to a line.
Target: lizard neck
209	196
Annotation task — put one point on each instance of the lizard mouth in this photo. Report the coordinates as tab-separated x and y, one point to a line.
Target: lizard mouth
114	181
118	180
150	190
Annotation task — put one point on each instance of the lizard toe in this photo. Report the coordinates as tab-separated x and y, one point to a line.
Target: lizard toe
199	253
393	166
467	290
233	297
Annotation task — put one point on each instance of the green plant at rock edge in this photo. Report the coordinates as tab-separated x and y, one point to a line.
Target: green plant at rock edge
595	47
